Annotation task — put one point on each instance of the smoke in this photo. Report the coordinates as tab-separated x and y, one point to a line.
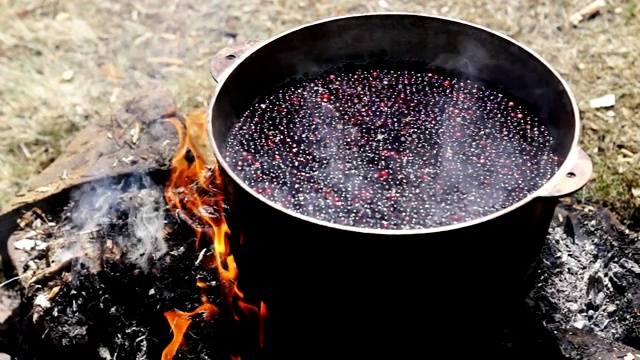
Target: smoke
93	202
470	61
145	238
110	218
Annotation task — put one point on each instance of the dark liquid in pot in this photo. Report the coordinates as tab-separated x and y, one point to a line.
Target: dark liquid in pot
391	149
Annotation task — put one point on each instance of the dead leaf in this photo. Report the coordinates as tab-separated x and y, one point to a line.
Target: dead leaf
111	71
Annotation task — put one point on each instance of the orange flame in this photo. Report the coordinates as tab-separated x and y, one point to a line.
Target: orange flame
263	315
194	194
179	322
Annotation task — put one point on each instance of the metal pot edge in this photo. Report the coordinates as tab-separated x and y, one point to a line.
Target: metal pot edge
558	186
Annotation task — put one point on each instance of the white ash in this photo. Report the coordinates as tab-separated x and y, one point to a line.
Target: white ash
588	274
104	353
40	304
30	244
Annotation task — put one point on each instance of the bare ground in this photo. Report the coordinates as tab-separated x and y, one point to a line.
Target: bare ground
65	64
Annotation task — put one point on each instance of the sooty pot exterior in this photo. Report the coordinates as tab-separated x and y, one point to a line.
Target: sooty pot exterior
346	291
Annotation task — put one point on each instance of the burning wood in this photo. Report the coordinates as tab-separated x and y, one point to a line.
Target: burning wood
179	322
140	265
105	267
106	283
193	191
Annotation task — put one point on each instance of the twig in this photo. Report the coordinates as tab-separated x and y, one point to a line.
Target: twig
165	61
51	271
587	12
185	218
13	279
201	256
88	231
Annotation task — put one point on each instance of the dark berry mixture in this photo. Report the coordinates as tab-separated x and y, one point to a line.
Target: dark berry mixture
391	149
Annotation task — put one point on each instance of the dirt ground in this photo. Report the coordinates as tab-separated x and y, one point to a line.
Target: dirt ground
65	64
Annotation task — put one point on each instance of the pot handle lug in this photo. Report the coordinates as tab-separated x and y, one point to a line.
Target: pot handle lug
225	58
575	179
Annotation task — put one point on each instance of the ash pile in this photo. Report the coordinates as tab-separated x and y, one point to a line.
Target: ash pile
587	284
98	278
102	260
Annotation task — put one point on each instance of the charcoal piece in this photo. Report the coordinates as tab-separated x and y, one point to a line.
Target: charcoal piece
578	344
630	265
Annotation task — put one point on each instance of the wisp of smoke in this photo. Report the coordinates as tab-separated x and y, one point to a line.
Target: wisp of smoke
145	239
127	214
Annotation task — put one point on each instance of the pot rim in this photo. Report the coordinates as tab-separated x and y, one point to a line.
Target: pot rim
541	192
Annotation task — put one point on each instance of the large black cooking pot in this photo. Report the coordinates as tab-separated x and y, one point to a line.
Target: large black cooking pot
344	291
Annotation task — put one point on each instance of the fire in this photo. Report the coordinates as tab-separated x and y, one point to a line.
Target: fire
193	193
179	322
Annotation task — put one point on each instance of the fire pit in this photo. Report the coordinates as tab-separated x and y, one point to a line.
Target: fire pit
391	280
215	262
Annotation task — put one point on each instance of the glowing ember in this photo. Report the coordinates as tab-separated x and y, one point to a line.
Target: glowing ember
194	194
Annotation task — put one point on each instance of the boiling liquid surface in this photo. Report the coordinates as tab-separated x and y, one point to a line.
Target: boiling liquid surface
391	149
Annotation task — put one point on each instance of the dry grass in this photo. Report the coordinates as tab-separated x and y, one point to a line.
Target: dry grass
113	49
